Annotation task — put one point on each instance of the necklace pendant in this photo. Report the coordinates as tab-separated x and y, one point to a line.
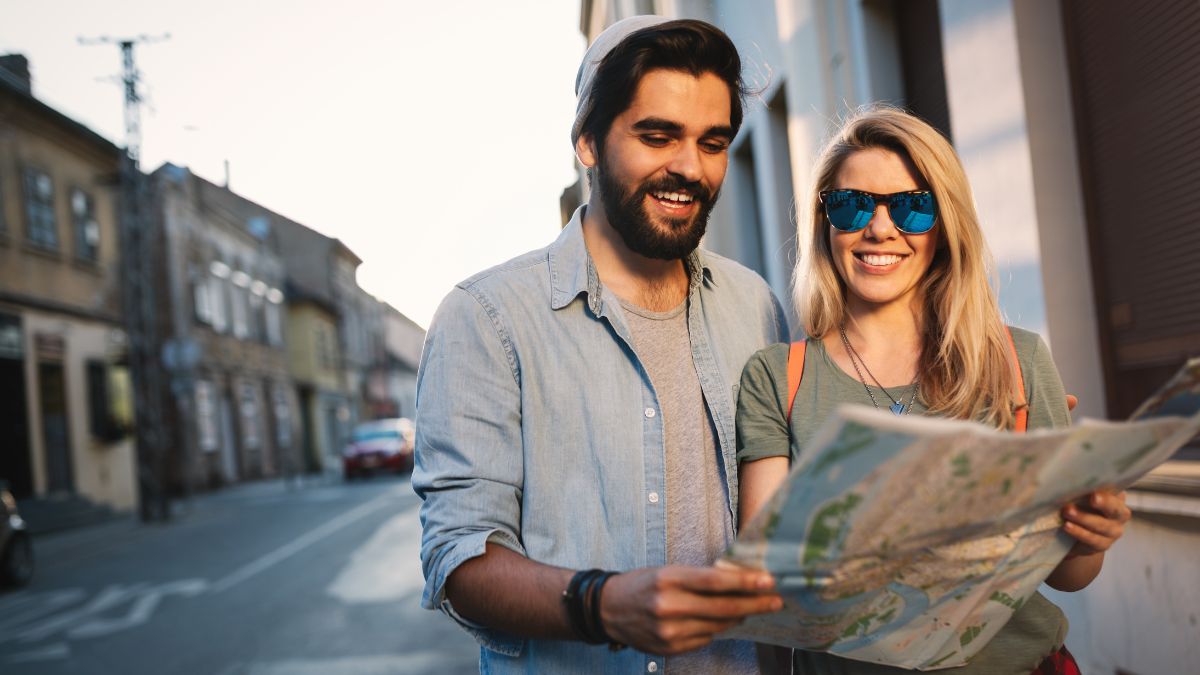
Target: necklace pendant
897	408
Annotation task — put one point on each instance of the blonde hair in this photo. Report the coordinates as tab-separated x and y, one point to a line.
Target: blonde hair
965	365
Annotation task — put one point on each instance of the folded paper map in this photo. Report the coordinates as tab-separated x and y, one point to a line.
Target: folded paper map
910	541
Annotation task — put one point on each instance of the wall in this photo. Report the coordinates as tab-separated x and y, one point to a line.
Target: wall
102	472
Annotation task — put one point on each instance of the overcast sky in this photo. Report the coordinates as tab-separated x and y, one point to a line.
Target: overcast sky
431	137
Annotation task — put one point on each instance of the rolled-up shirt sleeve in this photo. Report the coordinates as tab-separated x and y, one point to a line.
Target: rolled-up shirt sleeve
469	459
762	423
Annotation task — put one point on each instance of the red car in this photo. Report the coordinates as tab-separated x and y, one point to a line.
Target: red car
380	445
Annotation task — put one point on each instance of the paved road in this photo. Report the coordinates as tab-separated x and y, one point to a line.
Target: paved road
260	579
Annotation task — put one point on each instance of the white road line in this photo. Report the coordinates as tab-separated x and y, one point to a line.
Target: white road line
140	611
54	652
413	663
31	607
296	545
112	596
386	568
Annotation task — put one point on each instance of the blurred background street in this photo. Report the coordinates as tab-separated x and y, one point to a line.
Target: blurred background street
225	227
269	578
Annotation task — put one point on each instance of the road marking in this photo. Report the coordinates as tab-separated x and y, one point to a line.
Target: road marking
413	663
54	652
140	611
296	545
387	567
110	597
27	608
86	621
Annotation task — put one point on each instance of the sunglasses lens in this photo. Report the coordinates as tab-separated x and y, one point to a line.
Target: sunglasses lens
849	210
914	213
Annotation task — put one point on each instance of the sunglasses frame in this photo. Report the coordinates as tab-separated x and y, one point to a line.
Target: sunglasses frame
879	199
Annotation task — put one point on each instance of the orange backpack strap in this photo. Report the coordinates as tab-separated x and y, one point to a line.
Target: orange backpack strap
1022	411
795	372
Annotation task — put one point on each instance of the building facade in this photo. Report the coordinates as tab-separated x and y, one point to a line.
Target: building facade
222	325
66	408
315	365
354	357
397	376
1074	123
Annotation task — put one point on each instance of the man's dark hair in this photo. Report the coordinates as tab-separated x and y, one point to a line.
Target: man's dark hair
687	45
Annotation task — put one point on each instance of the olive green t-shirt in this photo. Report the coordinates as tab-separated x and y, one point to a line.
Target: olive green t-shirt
1034	631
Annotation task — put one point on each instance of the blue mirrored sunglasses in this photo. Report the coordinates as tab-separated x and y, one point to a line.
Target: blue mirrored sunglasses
912	212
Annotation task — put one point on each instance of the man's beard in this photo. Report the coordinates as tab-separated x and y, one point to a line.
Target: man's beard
627	214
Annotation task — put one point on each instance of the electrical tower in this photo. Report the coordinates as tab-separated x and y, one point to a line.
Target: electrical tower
139	250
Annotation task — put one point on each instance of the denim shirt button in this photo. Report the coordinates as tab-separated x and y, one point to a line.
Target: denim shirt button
650	412
652	667
653	497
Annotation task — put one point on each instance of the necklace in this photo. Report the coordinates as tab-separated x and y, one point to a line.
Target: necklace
853	354
897	407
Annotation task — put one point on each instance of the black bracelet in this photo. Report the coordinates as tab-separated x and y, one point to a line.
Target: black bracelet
576	597
582	600
597	622
590	635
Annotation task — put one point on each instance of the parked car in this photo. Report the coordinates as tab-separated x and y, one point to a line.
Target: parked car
16	547
380	445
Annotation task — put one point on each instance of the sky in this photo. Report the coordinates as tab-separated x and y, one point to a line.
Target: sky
433	138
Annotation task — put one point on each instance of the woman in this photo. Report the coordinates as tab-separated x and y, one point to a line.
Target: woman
895	295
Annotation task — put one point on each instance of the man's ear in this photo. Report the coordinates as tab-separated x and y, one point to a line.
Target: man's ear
585	150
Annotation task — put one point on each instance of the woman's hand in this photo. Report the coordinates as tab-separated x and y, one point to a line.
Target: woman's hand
1096	525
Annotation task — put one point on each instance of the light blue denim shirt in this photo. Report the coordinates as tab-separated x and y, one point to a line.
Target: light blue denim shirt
538	427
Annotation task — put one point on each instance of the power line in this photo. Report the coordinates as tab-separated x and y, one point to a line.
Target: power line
131	76
139	250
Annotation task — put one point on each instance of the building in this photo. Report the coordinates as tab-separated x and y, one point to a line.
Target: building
341	336
222	321
396	378
1075	124
315	348
354	357
65	397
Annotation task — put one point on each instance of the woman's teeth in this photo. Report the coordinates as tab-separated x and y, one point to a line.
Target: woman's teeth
876	260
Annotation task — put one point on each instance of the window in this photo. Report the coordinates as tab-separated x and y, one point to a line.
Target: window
202	299
218	295
248	409
274	317
39	209
110	401
87	230
326	351
206	415
258	310
283	415
239	307
3	222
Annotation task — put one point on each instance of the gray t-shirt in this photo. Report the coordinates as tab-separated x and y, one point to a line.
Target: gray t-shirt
698	523
1034	631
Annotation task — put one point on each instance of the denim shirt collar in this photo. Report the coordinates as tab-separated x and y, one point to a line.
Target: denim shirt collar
572	270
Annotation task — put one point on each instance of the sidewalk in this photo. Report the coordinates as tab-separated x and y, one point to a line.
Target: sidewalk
59	539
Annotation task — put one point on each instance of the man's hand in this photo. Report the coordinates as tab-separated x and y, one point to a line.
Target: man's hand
669	610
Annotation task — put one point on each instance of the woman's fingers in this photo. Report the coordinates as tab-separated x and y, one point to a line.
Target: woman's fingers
1099	525
1111	505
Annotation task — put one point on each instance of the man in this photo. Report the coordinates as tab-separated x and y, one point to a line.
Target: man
576	404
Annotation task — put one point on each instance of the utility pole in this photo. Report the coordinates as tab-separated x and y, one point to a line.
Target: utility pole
139	251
